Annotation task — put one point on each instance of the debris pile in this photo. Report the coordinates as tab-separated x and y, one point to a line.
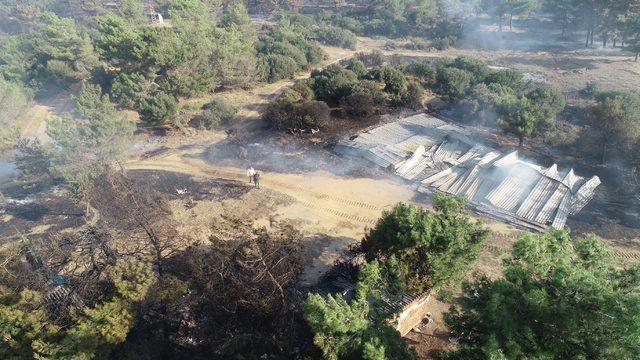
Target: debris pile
441	156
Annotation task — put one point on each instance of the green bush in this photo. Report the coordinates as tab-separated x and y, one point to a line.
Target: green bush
371	59
127	89
285	49
413	96
357	67
334	36
423	71
157	108
363	101
453	83
349	23
475	66
394	80
506	77
333	83
286	114
277	67
314	54
480	105
443	43
549	100
217	113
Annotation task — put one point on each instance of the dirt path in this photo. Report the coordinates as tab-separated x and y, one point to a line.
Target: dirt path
322	200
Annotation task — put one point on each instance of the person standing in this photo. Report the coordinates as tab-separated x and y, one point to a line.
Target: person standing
256	179
250	173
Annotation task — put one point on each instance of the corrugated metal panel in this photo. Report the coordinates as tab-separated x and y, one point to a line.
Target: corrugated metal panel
551	205
538	197
584	194
562	212
513	190
443	156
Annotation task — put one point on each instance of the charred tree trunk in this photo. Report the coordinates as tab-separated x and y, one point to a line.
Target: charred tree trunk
520	141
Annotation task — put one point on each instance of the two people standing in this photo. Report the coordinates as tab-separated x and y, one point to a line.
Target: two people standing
254	176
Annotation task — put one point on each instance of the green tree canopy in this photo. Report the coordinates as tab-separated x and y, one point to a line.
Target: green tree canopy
28	332
431	248
81	147
357	329
65	52
560	298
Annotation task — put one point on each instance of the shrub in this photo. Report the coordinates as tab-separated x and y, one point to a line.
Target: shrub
300	90
155	109
475	66
277	67
443	43
349	23
371	59
286	49
561	134
412	98
479	106
314	54
424	71
506	77
284	114
394	80
363	101
217	113
357	67
334	36
127	89
549	100
333	83
452	83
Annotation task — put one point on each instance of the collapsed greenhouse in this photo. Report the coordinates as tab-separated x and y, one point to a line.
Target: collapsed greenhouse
440	156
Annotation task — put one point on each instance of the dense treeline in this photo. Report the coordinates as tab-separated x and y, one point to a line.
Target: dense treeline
440	22
612	22
558	298
481	95
357	90
477	94
148	66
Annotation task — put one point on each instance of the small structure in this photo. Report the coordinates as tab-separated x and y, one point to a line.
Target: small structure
439	156
413	310
408	310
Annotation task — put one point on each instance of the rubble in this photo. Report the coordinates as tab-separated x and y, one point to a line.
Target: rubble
440	156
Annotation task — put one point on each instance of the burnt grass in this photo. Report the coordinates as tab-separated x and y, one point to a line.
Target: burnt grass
171	183
47	203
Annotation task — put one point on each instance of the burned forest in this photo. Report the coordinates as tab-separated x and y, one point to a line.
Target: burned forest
339	180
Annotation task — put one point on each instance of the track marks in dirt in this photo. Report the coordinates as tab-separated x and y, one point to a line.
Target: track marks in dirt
298	192
360	219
